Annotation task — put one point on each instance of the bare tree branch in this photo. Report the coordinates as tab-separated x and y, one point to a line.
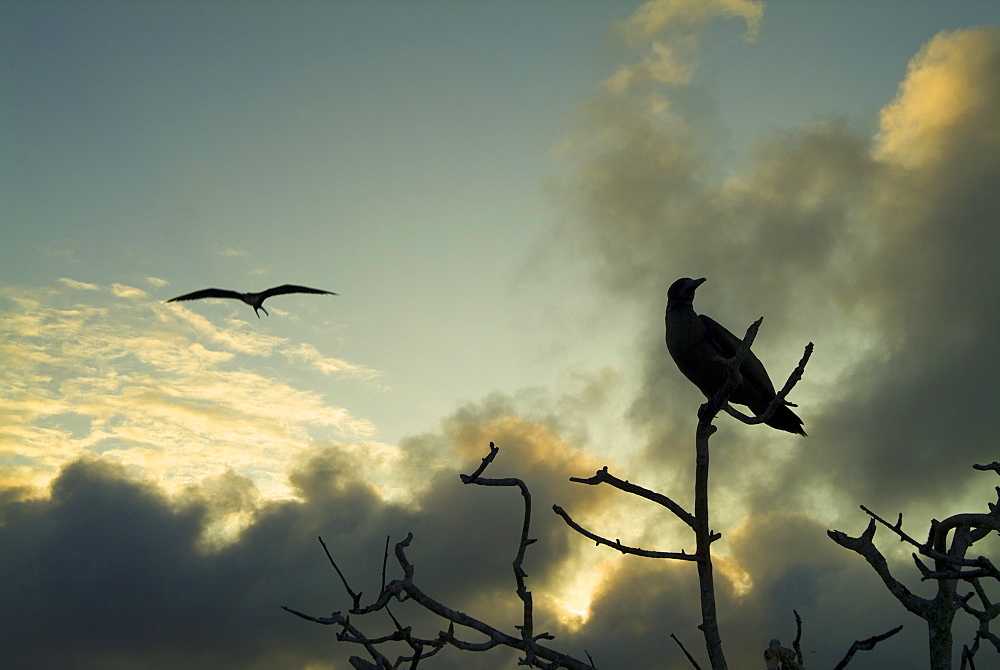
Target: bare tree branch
617	545
694	663
356	597
527	628
703	533
779	399
796	643
968	654
535	654
699	521
349	634
951	566
994	466
863	546
865	645
603	477
989	612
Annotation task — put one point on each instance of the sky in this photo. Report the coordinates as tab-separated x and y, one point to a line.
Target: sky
500	193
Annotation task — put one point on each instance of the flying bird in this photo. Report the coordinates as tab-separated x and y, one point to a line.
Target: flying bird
699	347
255	300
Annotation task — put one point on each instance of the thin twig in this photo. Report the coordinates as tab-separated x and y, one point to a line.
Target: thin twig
994	466
778	399
865	645
356	597
617	545
494	450
689	656
402	589
385	559
604	477
796	643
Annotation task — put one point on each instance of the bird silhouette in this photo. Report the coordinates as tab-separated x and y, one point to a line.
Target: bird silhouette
255	300
699	347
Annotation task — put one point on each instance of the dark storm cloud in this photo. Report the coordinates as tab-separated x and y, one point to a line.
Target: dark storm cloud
930	283
108	573
795	568
125	575
118	570
883	251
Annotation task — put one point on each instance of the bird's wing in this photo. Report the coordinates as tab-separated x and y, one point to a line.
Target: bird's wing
208	293
726	344
291	288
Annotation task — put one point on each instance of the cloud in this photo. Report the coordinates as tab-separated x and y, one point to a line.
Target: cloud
123	291
128	565
215	558
941	97
159	389
79	285
653	19
235	336
667	33
879	248
311	355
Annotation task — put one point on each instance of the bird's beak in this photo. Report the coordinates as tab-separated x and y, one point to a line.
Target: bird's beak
699	282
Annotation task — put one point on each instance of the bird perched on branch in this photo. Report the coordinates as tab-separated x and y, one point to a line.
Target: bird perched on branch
255	300
700	346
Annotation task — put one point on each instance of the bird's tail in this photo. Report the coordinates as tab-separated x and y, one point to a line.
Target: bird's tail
785	419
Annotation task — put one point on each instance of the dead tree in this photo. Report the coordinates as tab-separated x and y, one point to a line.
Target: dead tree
536	655
699	520
951	566
527	641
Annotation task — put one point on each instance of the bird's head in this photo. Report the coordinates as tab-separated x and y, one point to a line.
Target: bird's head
682	290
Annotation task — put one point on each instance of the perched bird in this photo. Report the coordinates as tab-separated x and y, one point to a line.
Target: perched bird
255	300
699	347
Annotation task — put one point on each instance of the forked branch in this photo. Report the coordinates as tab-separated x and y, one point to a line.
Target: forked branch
951	567
699	520
527	641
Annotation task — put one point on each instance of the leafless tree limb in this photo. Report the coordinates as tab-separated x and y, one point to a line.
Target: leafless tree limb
865	645
989	612
779	399
703	534
968	653
385	560
603	477
994	466
356	597
863	546
935	546
796	643
951	566
617	545
535	654
527	628
777	657
690	658
699	521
